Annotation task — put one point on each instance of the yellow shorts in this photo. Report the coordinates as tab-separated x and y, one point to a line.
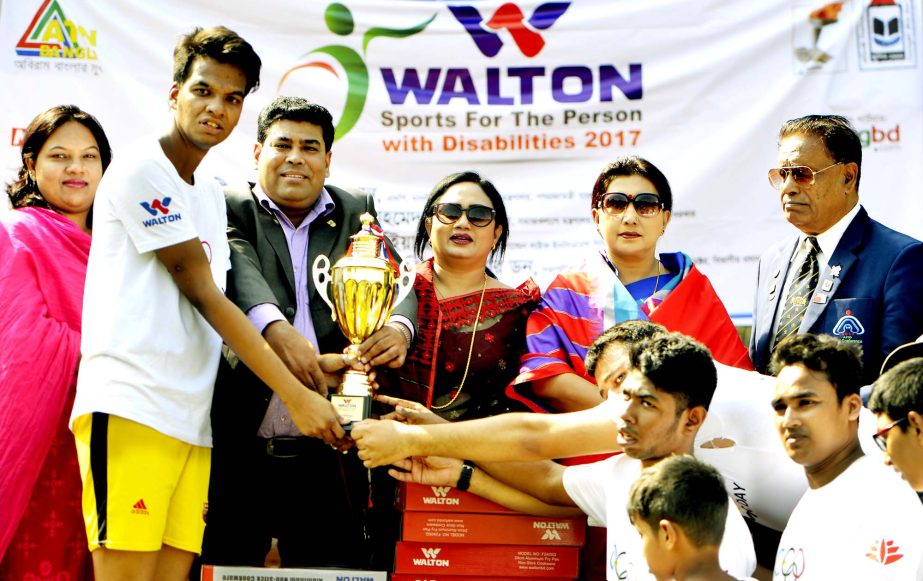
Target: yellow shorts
141	489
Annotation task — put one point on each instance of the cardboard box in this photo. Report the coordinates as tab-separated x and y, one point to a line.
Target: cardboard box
216	573
486	560
420	497
496	529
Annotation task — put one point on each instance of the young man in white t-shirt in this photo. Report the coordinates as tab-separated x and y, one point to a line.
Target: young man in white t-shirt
858	519
154	319
658	409
679	507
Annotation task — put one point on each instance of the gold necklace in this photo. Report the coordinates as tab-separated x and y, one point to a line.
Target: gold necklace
656	281
474	332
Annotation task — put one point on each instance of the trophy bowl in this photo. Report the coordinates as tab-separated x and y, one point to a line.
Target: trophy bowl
361	289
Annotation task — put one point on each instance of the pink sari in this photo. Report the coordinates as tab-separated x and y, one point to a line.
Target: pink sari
43	258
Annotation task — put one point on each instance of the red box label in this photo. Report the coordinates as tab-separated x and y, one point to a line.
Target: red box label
486	560
446	499
498	529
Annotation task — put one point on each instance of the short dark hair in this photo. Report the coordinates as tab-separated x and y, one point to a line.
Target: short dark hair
295	109
23	191
836	133
840	362
680	366
632	165
218	43
684	491
899	391
626	333
496	255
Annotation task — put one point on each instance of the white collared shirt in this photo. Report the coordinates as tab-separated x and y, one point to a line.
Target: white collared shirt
827	241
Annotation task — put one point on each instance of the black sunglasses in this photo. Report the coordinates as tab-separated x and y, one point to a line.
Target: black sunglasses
646	205
451	213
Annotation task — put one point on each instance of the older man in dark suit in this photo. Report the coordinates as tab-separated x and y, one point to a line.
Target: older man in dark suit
268	481
844	274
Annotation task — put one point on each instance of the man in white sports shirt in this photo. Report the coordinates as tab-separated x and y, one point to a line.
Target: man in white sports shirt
658	409
858	519
154	319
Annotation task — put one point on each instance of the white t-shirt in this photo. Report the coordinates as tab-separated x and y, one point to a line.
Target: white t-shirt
866	524
147	353
740	439
601	491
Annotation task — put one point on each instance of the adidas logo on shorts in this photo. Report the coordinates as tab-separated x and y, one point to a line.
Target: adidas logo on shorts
139	508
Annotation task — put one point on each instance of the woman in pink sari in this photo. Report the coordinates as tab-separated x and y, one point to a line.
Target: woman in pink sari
44	245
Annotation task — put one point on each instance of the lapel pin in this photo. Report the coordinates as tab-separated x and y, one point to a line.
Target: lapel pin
835	270
819	299
828	284
331	223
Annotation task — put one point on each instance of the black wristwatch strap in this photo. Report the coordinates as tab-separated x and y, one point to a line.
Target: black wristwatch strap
464	479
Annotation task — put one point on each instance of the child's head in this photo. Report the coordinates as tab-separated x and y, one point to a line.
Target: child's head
678	506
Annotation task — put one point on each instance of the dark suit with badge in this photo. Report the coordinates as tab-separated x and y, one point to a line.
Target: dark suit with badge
299	490
870	293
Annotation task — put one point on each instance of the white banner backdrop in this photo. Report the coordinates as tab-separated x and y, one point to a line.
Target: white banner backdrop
538	96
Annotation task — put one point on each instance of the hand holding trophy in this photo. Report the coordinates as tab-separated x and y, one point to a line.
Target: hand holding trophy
363	296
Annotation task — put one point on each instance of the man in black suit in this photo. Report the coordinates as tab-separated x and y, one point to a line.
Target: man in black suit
267	481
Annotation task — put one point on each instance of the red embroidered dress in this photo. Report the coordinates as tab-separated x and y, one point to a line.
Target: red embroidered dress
436	363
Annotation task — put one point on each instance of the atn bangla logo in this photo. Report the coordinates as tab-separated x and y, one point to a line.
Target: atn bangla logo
492	86
51	34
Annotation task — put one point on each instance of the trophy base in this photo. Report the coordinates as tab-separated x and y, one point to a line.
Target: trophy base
354	400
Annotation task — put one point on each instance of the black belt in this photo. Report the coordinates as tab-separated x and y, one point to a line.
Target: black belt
292	447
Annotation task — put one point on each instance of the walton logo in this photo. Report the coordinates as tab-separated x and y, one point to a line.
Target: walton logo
51	34
160	206
551	535
139	508
441	491
510	17
156	205
431	559
340	21
884	552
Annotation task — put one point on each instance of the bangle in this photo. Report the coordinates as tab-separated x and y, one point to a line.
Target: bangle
403	331
464	479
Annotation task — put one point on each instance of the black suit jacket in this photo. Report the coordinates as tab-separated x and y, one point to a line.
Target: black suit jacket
261	272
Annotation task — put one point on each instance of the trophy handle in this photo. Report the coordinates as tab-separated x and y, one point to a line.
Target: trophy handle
321	273
404	282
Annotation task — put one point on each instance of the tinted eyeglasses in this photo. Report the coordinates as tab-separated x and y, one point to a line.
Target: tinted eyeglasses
646	205
802	174
881	436
451	213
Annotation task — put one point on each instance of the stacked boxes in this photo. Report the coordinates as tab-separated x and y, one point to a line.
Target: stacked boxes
450	535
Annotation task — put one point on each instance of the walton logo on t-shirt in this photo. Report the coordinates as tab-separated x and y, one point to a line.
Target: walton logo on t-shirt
162	207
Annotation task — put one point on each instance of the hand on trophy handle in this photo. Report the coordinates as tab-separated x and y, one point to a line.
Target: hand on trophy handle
297	353
387	346
334	364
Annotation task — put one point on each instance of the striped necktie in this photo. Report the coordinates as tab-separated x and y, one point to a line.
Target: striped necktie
799	293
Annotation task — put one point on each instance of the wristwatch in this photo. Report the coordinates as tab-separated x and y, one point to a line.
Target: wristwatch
464	479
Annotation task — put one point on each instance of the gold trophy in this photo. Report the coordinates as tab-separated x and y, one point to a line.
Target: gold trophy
363	298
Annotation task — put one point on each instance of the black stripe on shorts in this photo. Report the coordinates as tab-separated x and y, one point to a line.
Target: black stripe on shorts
99	451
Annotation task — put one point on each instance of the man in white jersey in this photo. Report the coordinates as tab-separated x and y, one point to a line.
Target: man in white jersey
154	319
857	520
658	409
